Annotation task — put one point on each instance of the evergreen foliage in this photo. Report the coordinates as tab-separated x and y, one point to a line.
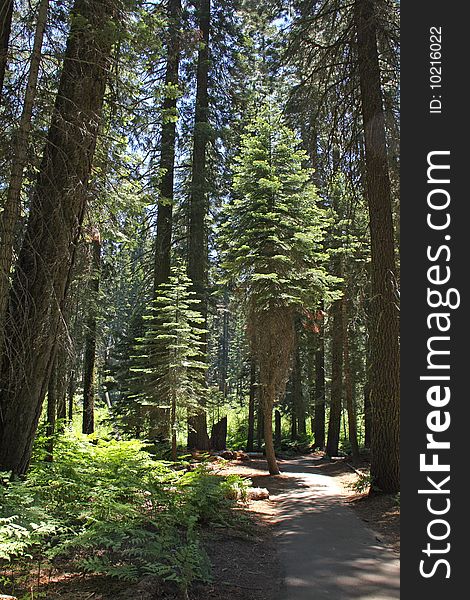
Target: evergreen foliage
169	371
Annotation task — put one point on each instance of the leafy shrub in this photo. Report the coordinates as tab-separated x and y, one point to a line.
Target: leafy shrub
112	509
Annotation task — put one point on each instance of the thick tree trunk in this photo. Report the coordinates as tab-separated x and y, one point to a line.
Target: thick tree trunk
277	429
57	207
198	248
12	206
251	407
168	144
88	421
272	342
218	439
348	385
268	397
6	13
384	329
367	416
334	422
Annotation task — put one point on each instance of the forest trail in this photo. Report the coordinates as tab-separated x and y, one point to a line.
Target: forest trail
325	551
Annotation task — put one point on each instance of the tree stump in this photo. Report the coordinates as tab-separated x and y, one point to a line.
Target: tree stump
218	439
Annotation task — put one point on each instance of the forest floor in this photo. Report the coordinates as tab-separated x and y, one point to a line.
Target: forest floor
246	561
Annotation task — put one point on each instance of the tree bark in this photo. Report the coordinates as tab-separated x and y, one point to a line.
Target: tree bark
43	271
12	206
334	422
277	429
168	144
251	408
6	14
88	421
219	435
384	329
367	416
268	397
198	248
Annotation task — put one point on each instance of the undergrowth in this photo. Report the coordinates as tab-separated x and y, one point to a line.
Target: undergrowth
110	508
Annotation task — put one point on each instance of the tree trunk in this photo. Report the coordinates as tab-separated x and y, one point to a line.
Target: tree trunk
367	416
259	425
88	422
12	206
251	407
384	329
198	248
334	422
268	397
168	144
218	439
277	429
348	385
57	207
6	13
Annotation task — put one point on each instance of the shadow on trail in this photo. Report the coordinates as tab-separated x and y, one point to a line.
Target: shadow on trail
325	550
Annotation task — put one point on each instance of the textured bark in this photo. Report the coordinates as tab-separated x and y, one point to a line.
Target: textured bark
168	144
251	408
277	429
272	338
367	416
43	270
198	244
334	422
268	397
12	207
6	13
218	439
88	421
384	329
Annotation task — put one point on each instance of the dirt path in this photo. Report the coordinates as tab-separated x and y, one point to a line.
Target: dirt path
325	551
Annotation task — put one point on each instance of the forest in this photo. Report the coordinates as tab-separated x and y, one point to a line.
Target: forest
199	236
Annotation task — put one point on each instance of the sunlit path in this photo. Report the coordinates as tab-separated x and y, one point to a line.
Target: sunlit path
325	549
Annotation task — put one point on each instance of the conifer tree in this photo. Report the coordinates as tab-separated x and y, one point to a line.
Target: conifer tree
168	364
272	236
